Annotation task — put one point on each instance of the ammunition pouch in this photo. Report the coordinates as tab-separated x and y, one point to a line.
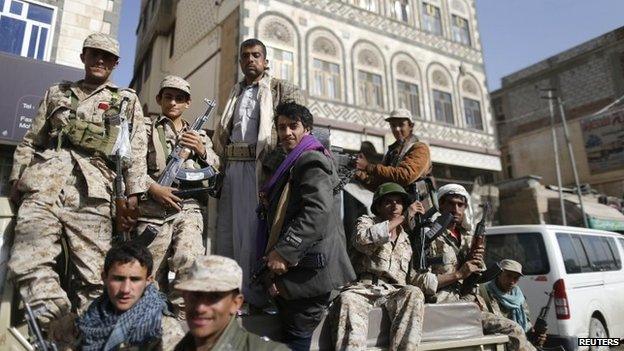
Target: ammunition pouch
92	137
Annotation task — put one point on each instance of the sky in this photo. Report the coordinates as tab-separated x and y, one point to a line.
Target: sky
514	33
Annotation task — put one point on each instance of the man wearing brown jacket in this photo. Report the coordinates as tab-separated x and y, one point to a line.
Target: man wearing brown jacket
407	159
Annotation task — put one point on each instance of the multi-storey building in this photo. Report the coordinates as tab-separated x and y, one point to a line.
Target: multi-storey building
52	30
354	60
588	78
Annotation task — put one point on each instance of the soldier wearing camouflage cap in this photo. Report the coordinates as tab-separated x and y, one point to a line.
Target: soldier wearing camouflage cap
212	293
381	258
62	180
406	161
180	222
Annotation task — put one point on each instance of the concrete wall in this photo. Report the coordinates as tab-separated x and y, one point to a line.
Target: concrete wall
532	153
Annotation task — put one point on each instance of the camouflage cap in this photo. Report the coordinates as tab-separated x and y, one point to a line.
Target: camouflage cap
176	83
400	113
103	42
511	266
212	274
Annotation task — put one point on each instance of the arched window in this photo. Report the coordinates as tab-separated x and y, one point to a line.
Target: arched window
407	80
325	66
281	41
460	25
369	73
442	94
471	99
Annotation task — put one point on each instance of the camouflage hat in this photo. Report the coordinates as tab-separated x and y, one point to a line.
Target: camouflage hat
400	113
511	266
103	42
175	82
212	274
387	189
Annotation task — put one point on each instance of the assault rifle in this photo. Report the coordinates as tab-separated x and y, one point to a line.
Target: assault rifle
541	325
422	230
121	201
174	172
478	240
40	344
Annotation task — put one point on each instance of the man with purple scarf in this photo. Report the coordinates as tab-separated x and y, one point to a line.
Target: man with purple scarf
305	249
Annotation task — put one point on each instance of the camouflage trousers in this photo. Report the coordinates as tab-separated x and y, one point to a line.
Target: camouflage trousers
83	223
178	243
404	304
493	324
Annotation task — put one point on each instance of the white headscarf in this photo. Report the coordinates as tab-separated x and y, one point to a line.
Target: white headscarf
456	189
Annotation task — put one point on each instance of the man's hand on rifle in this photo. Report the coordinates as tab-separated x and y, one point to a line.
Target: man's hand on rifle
362	162
193	141
478	252
276	263
164	196
132	204
415	208
468	268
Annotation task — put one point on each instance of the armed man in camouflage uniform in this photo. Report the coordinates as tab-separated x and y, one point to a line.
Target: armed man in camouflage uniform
450	253
63	170
179	221
382	262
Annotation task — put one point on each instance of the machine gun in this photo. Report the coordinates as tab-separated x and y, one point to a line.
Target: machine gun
40	344
541	326
121	201
345	163
478	240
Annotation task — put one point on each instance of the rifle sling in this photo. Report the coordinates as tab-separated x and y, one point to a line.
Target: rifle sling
280	216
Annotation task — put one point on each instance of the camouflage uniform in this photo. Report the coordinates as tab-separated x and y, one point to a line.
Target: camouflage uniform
67	192
383	270
180	234
210	274
449	254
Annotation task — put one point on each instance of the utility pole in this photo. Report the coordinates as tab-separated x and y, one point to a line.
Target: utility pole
556	151
572	160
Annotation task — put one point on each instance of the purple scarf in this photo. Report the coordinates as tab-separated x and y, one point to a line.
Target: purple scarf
308	142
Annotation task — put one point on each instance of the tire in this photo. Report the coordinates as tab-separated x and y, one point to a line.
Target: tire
597	330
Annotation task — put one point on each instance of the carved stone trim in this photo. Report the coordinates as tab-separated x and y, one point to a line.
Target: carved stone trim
276	29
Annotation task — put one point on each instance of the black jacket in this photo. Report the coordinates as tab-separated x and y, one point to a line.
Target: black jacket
312	226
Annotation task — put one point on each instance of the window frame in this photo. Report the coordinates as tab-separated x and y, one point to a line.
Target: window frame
426	19
455	29
480	125
29	24
272	61
416	114
325	76
434	93
362	100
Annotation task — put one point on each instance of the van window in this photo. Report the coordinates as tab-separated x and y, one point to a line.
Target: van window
574	256
601	254
526	248
588	253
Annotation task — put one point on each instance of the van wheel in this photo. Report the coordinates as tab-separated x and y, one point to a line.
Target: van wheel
597	330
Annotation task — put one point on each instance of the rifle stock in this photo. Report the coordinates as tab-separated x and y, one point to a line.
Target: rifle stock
40	344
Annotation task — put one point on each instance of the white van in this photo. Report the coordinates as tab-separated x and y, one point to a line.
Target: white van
583	266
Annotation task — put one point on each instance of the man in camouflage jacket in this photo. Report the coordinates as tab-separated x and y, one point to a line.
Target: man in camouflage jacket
65	178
